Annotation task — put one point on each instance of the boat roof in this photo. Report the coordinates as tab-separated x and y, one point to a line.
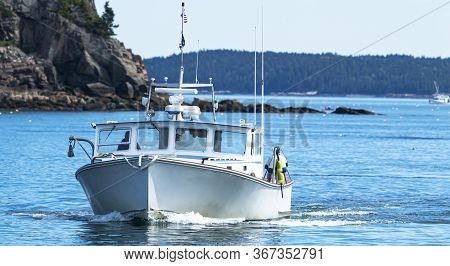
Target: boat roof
182	86
247	126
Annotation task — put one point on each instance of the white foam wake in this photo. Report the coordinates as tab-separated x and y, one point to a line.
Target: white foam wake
42	215
38	216
197	219
194	219
310	223
337	213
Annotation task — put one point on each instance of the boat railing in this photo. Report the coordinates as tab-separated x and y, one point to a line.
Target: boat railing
74	140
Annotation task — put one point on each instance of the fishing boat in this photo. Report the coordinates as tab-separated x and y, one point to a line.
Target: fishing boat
439	98
182	164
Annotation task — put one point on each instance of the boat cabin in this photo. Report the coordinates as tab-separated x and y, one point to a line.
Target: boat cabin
211	143
177	138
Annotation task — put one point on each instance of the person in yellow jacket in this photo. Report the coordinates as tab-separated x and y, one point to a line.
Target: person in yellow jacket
277	164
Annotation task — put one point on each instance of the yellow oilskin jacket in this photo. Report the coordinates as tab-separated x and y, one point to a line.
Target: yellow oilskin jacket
279	163
282	161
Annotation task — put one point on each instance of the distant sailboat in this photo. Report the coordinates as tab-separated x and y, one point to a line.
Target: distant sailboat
439	98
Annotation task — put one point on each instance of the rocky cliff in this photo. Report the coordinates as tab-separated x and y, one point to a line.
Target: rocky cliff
54	54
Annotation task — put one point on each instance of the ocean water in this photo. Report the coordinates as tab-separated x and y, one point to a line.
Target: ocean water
359	180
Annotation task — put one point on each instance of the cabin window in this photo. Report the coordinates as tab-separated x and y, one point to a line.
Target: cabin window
153	138
191	139
229	142
114	139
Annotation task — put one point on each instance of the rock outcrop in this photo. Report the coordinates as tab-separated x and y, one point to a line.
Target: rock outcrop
229	106
55	47
350	111
23	72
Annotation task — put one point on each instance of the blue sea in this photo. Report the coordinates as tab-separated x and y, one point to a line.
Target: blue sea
359	180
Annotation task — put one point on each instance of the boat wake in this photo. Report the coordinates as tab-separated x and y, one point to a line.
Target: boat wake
74	216
331	218
295	222
111	218
324	218
198	219
337	213
53	215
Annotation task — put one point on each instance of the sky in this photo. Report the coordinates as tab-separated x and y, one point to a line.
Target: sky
152	28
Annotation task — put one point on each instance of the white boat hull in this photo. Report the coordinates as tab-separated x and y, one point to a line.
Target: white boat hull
181	187
439	102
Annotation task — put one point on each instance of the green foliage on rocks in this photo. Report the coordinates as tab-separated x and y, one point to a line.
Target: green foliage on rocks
108	20
7	43
5	11
103	25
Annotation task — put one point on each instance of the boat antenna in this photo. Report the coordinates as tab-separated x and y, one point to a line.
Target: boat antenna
214	102
183	42
149	110
262	81
196	66
255	85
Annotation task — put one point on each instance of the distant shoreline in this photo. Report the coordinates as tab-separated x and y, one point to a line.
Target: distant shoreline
228	103
78	100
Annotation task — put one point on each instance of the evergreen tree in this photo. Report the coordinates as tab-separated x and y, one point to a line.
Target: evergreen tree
108	20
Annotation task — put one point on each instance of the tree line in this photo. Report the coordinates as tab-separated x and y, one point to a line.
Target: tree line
327	73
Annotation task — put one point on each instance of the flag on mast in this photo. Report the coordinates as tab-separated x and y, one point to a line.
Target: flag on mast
183	15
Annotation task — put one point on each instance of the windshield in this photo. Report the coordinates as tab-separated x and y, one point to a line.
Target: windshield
115	139
153	138
191	139
229	142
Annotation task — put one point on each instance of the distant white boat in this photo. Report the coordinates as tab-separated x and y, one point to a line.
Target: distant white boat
308	93
439	98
